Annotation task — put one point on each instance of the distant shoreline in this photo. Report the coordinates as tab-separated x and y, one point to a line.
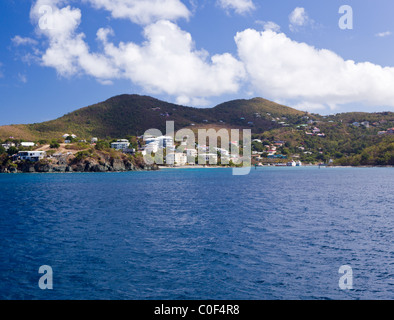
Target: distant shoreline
200	167
273	166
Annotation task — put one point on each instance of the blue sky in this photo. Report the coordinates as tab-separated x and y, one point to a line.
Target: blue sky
60	55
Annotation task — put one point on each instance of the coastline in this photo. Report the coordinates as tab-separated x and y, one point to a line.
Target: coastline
88	169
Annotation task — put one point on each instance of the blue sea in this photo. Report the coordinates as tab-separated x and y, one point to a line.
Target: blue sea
277	233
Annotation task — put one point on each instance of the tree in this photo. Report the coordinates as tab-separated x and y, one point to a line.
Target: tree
12	150
54	145
102	145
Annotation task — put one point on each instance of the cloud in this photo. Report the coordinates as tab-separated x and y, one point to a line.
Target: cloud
298	18
143	11
22	78
280	68
68	52
20	41
167	62
383	34
269	25
239	6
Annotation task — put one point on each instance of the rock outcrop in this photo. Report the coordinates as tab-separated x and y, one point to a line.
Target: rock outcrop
86	165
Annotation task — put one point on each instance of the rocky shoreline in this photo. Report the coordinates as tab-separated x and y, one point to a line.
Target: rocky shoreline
62	166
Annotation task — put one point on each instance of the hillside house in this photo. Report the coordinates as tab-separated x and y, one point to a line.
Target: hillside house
121	144
33	156
175	159
8	145
27	144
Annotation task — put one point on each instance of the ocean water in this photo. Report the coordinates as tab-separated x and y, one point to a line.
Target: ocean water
277	233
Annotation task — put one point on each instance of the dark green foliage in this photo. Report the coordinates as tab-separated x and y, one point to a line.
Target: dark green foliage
12	150
54	145
102	145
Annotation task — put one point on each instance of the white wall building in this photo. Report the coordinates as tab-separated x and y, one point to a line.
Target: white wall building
27	144
153	144
121	144
8	145
179	159
191	152
32	155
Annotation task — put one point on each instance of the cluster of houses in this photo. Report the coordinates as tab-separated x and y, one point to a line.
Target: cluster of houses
315	132
271	150
359	124
8	145
388	131
367	124
185	155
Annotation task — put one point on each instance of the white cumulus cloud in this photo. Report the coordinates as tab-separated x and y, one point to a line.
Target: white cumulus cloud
383	34
166	62
269	25
20	41
298	18
280	68
239	6
68	52
143	11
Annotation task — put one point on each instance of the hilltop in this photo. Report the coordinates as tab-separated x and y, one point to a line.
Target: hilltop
133	114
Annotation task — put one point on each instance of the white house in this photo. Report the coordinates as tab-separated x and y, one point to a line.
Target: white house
121	144
365	124
153	144
291	164
8	145
32	155
93	140
27	144
165	141
66	135
151	147
191	152
179	159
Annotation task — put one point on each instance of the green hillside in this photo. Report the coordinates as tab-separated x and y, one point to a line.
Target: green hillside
133	115
355	138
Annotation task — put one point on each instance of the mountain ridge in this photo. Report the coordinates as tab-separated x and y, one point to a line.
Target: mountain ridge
131	114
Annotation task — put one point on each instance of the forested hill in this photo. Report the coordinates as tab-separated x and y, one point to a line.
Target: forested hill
133	115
